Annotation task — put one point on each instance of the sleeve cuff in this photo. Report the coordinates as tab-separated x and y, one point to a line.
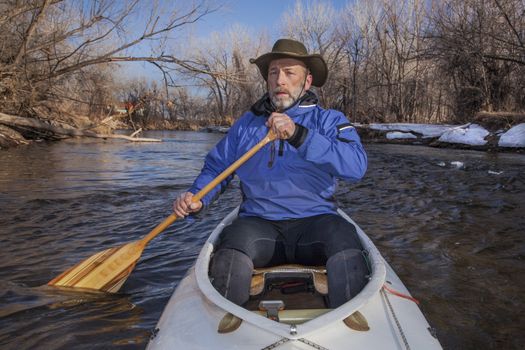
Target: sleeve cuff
299	136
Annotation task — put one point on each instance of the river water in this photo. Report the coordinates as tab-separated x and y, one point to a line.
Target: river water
450	222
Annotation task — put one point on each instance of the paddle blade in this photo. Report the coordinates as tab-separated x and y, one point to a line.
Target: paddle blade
106	271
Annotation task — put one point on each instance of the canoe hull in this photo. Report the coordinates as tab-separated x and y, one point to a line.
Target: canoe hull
193	313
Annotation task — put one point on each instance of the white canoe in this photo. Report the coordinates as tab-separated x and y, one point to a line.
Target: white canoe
192	315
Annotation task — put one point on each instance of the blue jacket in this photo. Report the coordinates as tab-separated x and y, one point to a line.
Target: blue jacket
283	182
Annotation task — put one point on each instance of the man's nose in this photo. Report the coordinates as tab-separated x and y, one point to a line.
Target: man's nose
280	78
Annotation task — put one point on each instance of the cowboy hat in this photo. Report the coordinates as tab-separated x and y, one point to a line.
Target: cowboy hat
288	48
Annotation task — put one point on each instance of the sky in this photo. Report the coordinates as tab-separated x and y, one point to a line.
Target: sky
255	15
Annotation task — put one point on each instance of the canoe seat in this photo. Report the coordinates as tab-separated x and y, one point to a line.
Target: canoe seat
317	273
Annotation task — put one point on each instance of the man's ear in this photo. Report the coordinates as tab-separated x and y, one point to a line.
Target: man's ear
308	82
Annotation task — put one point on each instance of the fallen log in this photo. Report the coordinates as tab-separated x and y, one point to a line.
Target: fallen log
10	137
62	130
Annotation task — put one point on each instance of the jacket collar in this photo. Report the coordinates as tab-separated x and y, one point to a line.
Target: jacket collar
264	105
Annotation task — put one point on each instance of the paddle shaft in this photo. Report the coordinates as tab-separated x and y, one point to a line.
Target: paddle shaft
109	269
221	177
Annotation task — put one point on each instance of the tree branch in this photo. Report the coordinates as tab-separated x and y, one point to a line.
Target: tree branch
30	31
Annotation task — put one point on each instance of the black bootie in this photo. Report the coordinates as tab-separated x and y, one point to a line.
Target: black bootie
347	275
231	274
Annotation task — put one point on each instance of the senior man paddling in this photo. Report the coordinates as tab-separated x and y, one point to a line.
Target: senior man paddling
288	213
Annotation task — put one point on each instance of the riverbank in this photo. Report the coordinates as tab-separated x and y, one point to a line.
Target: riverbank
492	133
488	131
468	136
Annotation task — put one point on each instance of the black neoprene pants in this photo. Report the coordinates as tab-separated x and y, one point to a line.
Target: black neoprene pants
250	242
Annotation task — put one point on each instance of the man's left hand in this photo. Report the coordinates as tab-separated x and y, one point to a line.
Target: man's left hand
281	124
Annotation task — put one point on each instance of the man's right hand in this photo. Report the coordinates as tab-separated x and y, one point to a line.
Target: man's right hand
183	205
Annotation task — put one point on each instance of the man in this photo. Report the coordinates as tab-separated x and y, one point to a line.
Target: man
287	214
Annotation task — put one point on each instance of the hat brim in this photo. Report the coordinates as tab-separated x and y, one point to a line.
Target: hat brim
314	62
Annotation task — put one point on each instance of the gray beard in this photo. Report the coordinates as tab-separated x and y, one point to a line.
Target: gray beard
281	105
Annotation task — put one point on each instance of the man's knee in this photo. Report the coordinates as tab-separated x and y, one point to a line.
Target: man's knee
347	275
231	273
346	266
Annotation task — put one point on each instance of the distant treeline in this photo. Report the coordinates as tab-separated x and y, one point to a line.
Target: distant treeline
390	61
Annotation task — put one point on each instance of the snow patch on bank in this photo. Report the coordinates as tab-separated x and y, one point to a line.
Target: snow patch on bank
514	137
400	135
426	130
470	134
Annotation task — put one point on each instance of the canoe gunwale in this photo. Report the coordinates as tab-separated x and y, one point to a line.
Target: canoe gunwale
372	288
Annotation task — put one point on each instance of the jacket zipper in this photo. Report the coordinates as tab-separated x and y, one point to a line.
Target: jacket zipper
272	152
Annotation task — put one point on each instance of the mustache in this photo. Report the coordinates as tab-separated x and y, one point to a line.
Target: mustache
278	90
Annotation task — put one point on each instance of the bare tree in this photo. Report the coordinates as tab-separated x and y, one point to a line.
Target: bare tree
314	23
54	54
406	61
356	33
233	84
479	47
45	42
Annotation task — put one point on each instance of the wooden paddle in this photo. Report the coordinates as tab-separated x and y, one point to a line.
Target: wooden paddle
108	270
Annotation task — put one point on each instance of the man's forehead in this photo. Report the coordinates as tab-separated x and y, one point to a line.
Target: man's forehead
286	63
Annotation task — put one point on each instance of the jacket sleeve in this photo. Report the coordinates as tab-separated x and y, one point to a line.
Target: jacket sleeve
217	160
335	147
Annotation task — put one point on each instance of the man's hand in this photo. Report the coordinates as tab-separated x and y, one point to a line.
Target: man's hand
183	205
282	125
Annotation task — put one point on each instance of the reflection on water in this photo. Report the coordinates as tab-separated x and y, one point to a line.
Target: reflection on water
449	222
